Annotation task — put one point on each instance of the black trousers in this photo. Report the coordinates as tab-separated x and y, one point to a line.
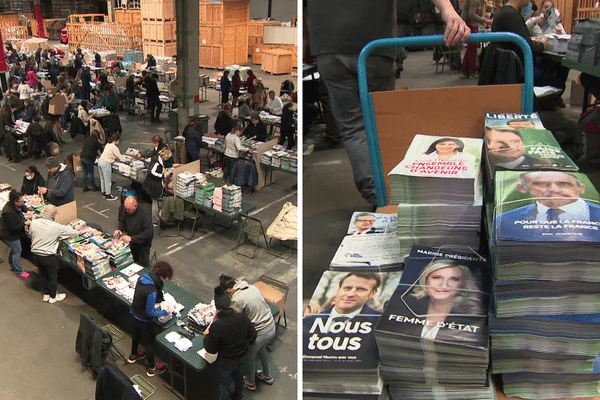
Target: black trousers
49	271
143	332
141	253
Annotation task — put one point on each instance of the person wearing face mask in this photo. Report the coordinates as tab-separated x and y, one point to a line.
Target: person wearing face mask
12	230
32	181
45	238
110	154
59	188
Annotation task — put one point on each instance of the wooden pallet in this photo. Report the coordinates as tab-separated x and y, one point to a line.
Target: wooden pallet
128	16
116	37
15	33
164	31
157	9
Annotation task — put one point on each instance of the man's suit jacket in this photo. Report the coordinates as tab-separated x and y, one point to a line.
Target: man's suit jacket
507	229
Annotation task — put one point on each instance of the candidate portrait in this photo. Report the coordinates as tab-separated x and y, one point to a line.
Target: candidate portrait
558	208
364	223
507	149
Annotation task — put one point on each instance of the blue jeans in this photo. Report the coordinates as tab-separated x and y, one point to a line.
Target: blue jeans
14	256
225	384
259	347
105	176
339	72
88	172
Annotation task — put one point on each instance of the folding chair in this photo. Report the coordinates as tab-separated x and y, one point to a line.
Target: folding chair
116	335
146	388
249	227
274	292
447	55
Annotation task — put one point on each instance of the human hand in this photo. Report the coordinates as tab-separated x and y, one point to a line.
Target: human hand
540	19
126	239
42	191
27	223
117	233
488	21
456	28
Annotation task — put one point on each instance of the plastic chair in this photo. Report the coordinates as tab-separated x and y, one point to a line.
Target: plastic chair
274	292
250	227
146	388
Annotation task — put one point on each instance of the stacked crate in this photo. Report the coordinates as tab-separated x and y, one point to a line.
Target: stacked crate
588	9
256	32
128	16
159	27
223	33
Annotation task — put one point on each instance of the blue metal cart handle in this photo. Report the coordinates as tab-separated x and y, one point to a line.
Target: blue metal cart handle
367	101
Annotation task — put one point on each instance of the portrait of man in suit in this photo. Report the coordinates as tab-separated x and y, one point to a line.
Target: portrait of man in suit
558	207
363	222
506	149
354	291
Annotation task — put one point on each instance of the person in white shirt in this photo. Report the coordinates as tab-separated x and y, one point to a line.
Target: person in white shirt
233	146
275	105
24	90
110	154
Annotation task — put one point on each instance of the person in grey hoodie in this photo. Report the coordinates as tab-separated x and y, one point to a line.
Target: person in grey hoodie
249	300
59	188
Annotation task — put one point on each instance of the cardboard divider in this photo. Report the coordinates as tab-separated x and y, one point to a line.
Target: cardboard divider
66	213
458	111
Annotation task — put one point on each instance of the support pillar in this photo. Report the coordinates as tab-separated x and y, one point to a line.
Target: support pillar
188	48
111	10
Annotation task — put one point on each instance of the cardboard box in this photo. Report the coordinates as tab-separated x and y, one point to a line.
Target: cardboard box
53	148
577	91
57	105
120	81
77	167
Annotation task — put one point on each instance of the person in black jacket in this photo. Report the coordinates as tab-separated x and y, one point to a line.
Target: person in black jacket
91	148
287	127
32	181
59	189
155	181
13	229
148	293
135	223
86	79
224	123
230	335
152	92
38	138
256	129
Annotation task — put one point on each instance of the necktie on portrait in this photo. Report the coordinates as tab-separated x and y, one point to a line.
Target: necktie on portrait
553	214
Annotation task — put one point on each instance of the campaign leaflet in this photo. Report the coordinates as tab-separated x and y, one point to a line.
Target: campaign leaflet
520	142
546	206
331	340
441	157
442	298
370	243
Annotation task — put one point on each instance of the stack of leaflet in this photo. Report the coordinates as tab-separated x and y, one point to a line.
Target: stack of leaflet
370	244
219	145
294	163
119	252
232	199
185	185
137	168
437	170
210	141
124	169
68	247
519	142
433	335
269	118
546	242
438	191
200	178
34	202
204	191
92	260
267	157
133	56
340	357
218	199
201	316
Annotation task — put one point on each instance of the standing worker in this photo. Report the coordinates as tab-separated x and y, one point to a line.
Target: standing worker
13	229
473	16
225	87
59	188
45	237
148	293
135	223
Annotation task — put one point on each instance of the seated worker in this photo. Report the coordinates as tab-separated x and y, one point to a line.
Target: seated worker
109	100
536	24
29	111
256	129
223	124
244	108
275	105
545	71
37	138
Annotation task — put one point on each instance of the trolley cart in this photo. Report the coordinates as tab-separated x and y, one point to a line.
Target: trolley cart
464	106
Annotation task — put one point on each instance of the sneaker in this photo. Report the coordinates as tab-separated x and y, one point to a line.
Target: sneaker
268	379
110	197
46	298
58	297
250	386
24	275
464	75
475	75
133	358
157	370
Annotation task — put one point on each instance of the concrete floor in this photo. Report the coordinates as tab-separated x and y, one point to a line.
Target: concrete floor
328	207
39	347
